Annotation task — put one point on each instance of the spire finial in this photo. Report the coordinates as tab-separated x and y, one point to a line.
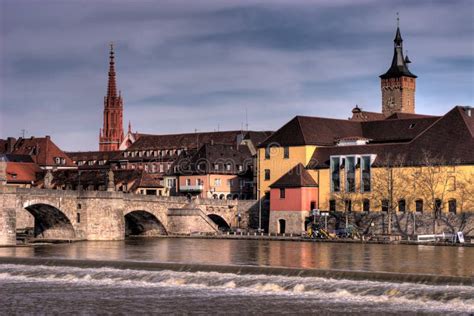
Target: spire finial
111	46
398	19
129	127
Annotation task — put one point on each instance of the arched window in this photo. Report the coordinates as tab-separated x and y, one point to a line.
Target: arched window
452	206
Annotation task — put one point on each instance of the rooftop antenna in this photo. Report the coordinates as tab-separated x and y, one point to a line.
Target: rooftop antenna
218	127
197	137
23	131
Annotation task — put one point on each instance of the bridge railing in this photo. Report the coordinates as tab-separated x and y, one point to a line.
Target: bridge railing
120	195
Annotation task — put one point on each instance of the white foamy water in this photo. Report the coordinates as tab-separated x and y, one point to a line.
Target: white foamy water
308	293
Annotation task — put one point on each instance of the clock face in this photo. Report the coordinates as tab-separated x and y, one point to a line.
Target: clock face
390	102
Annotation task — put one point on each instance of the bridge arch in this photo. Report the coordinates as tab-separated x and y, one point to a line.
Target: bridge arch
50	222
219	221
143	223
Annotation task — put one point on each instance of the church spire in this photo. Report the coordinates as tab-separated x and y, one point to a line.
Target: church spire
111	134
112	85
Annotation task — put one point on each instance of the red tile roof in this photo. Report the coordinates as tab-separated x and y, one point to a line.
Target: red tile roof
297	177
449	139
42	150
22	172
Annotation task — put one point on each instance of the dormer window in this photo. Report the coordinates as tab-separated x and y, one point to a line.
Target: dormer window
412	126
57	160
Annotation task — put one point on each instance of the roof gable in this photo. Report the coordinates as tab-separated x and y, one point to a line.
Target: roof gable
297	177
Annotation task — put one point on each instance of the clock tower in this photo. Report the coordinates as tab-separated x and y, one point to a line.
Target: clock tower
398	83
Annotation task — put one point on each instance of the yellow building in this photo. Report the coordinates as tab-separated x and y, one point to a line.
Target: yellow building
392	161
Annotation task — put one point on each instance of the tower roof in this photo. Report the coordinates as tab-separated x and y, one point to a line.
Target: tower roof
112	86
399	65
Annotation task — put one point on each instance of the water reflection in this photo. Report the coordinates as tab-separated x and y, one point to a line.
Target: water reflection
365	257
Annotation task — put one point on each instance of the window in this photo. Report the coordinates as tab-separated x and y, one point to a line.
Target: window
171	183
286	152
438	205
240	167
452	206
217	182
335	179
350	174
229	182
188	181
365	174
78	217
385	205
267	174
348	206
332	205
419	206
402	206
216	167
282	193
227	167
366	205
267	152
161	167
199	182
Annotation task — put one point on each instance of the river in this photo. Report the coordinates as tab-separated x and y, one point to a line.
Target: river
71	285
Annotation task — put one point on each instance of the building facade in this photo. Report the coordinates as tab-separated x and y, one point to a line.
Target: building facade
393	162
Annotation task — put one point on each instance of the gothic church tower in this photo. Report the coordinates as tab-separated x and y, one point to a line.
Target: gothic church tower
398	83
111	135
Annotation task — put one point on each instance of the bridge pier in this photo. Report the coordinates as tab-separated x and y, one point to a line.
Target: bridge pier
7	227
104	216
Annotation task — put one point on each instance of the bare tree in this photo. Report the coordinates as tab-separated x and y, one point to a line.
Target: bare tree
390	187
464	186
432	182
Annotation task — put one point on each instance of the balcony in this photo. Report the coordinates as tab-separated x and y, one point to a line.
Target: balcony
191	188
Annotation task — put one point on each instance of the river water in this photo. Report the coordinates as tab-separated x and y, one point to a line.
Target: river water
48	286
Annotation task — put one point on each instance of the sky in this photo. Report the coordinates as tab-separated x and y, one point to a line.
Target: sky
202	65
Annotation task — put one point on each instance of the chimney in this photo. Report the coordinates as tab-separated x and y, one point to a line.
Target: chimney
468	110
10	144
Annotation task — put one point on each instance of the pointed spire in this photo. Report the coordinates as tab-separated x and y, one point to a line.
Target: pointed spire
399	65
407	60
112	86
398	36
129	127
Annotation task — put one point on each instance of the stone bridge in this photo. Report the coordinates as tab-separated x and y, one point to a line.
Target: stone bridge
102	215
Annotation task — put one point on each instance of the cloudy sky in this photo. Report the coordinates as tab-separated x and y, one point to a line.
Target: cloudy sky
185	65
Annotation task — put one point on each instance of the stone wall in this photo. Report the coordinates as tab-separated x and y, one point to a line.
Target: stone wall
294	222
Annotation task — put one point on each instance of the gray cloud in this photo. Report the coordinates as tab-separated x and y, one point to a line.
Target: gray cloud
199	64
